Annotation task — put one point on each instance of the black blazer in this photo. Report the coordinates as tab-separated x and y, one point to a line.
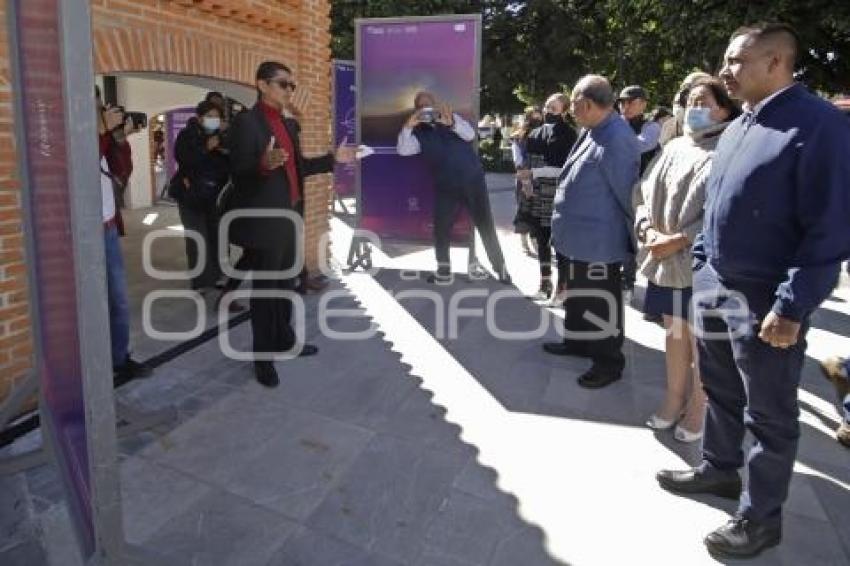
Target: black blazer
249	137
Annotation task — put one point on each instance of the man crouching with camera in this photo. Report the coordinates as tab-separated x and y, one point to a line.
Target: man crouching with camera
444	139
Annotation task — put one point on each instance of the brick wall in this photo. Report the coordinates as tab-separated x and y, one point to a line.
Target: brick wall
224	39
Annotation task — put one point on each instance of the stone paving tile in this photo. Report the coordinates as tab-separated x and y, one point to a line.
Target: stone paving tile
293	472
468	529
214	445
152	495
419	420
221	530
310	548
28	553
388	497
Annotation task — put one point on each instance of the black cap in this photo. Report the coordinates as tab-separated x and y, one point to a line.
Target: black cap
632	92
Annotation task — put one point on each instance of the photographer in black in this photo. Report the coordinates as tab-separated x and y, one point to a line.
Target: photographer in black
445	141
203	170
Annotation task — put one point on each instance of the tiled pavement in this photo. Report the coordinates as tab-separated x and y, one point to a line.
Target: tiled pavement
413	447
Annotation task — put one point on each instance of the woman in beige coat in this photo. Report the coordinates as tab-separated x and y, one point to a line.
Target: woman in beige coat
669	216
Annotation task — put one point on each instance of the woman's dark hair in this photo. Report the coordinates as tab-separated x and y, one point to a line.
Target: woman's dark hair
205	106
267	70
660	113
718	91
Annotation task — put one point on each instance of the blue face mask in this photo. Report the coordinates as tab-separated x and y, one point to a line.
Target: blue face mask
698	118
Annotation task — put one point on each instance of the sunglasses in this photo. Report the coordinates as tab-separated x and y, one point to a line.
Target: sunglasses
283	83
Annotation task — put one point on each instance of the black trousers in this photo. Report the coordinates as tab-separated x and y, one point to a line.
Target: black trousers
271	323
543	237
595	291
750	385
475	199
204	222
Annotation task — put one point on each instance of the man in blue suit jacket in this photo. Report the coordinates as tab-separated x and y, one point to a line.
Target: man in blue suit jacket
592	231
774	234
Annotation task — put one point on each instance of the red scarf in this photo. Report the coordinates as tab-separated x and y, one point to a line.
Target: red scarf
283	141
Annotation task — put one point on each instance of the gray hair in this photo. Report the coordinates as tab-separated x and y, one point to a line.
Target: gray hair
597	89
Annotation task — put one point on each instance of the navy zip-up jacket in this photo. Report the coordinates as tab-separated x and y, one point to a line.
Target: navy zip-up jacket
778	201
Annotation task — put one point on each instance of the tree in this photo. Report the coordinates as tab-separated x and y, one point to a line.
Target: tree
533	48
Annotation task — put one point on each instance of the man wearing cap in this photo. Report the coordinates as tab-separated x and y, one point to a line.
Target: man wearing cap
632	104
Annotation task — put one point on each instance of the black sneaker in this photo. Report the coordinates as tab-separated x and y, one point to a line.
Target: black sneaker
130	370
743	538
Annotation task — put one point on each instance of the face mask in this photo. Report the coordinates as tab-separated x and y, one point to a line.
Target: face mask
550	118
211	124
698	118
534	123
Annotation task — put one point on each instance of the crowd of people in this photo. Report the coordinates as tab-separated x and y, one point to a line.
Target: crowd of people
733	206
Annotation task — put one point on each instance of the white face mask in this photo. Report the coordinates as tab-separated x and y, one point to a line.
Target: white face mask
698	118
211	124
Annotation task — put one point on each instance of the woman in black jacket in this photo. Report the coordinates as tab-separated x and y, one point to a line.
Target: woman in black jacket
547	148
204	169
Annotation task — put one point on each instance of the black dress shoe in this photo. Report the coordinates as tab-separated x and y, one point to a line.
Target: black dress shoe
440	278
308	350
266	374
721	484
563	349
597	379
743	538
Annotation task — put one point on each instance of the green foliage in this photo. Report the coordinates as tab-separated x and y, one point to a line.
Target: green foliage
493	158
532	49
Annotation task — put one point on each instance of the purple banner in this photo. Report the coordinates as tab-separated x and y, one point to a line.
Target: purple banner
345	124
175	120
44	146
398	59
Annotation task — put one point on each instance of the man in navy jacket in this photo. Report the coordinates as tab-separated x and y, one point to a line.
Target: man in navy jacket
774	234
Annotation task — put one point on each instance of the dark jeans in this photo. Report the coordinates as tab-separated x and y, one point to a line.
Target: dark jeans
543	237
476	200
592	289
204	222
750	386
116	290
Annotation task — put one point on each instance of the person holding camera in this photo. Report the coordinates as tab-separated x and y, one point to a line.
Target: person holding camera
124	367
444	139
203	171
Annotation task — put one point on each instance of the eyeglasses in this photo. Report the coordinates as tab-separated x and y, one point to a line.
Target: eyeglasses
283	83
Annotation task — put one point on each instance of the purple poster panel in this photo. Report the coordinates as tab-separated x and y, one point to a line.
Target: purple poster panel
44	145
345	125
397	59
175	120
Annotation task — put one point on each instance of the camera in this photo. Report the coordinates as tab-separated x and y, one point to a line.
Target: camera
139	119
429	115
